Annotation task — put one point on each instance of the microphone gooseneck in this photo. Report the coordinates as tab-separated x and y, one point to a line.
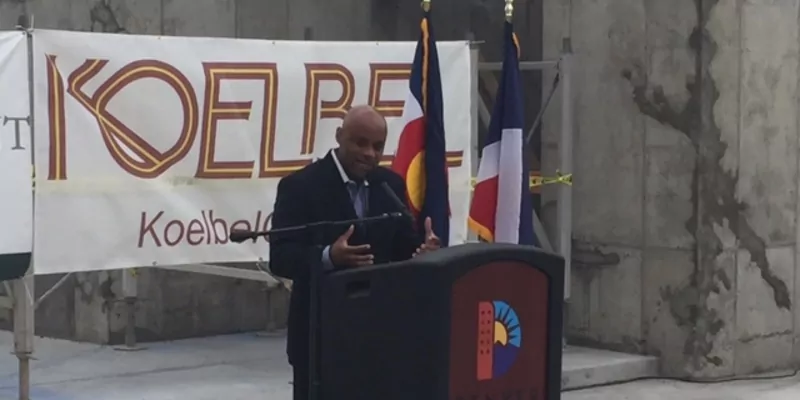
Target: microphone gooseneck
396	200
242	235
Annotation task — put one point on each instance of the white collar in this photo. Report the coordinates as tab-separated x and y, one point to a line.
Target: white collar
346	179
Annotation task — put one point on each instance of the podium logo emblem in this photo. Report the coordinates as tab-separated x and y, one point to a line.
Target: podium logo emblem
499	339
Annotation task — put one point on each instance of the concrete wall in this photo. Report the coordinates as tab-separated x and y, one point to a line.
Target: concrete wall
686	179
89	306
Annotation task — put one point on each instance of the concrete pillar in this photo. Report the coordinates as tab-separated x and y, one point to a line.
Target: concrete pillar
685	180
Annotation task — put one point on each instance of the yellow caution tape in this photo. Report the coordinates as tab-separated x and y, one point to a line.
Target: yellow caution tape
538	181
565	179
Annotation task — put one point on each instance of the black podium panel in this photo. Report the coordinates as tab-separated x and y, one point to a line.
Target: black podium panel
477	321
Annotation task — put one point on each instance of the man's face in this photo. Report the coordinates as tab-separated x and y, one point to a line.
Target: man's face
361	147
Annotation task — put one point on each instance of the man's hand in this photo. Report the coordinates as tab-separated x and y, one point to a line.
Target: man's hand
342	254
432	241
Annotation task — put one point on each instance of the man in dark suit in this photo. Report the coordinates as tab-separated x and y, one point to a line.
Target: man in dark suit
345	184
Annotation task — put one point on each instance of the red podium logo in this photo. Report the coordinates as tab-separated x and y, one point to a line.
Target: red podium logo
499	339
494	309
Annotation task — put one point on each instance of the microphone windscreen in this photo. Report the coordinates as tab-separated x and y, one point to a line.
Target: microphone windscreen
240	235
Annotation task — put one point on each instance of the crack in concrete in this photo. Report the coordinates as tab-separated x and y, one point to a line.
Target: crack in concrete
714	192
84	288
103	17
586	255
107	293
748	339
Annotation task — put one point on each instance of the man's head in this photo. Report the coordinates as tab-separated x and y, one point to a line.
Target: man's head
361	139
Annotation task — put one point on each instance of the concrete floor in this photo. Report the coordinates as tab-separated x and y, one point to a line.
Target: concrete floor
779	389
249	367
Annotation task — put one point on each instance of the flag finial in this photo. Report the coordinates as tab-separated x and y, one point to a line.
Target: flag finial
426	5
509	10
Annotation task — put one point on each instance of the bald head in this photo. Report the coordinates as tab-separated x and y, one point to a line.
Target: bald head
363	117
361	140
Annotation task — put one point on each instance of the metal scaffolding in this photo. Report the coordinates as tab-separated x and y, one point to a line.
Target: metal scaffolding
482	114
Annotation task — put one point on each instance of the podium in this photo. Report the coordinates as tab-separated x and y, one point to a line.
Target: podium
478	321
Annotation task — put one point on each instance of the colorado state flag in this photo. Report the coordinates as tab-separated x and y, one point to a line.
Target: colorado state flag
502	207
420	158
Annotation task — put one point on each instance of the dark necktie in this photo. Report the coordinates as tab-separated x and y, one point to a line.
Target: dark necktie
358	197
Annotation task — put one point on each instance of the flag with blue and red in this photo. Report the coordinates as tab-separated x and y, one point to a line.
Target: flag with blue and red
421	152
502	207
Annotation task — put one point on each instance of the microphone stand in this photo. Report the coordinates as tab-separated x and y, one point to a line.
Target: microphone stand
317	232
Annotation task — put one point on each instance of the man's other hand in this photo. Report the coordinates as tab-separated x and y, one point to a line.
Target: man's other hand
342	254
432	242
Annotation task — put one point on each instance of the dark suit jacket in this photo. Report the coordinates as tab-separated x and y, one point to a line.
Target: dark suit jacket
318	193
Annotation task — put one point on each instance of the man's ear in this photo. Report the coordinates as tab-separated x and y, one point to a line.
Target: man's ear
338	134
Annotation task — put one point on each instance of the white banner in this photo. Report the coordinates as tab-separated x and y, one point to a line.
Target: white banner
16	196
150	148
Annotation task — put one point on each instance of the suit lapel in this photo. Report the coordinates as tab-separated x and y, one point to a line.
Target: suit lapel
336	189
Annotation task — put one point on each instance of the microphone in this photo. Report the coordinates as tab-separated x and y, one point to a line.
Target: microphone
240	235
396	200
